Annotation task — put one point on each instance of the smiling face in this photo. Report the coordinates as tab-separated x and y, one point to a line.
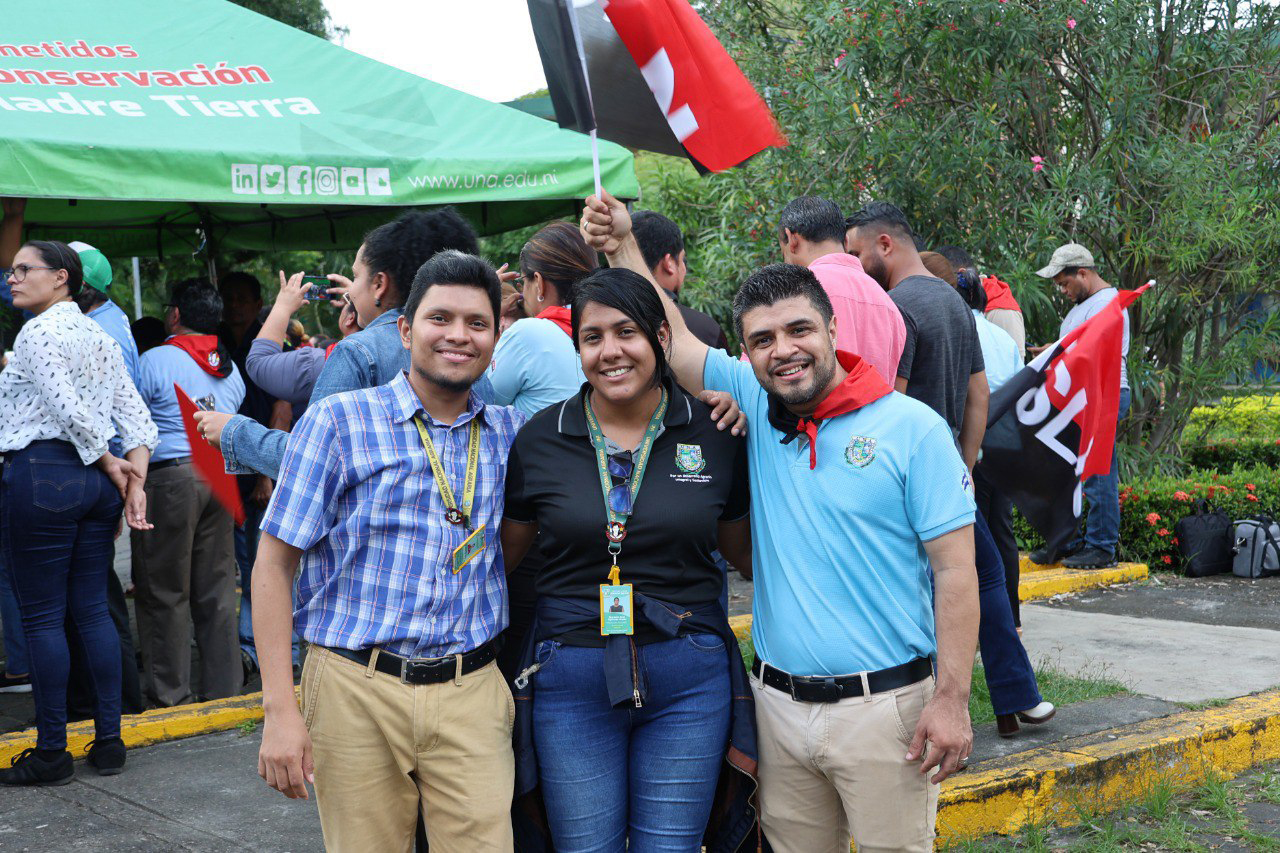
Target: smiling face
791	350
451	338
41	287
617	358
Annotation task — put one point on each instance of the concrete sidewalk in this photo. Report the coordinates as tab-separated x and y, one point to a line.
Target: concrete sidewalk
199	794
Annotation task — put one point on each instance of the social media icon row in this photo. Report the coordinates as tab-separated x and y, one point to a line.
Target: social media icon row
276	179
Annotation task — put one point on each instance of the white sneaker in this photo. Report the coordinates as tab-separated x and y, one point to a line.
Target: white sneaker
14	683
1041	713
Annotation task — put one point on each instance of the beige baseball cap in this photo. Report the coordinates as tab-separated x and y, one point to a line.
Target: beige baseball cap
1070	255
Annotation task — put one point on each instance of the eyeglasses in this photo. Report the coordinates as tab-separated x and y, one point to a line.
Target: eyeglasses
620	467
19	273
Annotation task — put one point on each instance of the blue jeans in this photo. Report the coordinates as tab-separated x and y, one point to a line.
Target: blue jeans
1102	525
246	554
631	779
16	661
1010	678
57	522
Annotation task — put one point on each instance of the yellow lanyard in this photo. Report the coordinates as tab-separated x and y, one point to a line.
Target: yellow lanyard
453	513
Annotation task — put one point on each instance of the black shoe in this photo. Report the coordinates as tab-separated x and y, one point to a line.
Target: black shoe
14	683
1045	557
248	666
30	769
107	756
1090	558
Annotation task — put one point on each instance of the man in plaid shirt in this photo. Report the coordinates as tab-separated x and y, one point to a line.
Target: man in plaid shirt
390	499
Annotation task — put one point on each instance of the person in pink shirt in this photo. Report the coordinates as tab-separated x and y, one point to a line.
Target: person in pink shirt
811	233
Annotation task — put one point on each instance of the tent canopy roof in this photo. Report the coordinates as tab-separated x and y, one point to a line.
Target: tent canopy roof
166	118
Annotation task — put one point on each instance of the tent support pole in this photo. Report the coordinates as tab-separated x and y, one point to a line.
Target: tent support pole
137	290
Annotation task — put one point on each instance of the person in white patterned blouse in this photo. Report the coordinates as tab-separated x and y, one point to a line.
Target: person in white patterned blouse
64	394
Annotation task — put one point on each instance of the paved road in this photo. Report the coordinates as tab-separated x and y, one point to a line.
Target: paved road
201	794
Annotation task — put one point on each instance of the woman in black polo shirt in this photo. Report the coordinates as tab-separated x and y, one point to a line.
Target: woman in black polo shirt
634	661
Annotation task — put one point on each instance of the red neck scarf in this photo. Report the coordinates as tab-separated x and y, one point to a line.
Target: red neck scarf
206	351
328	351
558	314
999	295
862	386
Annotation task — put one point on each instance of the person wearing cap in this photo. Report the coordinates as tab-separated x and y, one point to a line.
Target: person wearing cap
94	300
1075	274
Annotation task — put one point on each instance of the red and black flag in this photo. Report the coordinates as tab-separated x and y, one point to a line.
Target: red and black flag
655	78
1053	425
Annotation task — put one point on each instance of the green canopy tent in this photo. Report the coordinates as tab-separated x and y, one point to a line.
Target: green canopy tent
146	128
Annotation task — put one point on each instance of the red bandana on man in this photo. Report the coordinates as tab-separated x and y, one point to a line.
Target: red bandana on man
558	314
861	386
206	351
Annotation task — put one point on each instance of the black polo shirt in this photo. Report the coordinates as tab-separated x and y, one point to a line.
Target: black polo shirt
696	477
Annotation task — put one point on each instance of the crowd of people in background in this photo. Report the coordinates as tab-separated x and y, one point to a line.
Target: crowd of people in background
532	484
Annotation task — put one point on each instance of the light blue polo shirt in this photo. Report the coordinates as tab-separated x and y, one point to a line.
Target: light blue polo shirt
164	365
534	365
116	324
842	581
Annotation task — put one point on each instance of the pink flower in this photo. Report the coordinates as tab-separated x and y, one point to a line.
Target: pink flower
1163	531
1039	163
1071	23
1152	518
841	57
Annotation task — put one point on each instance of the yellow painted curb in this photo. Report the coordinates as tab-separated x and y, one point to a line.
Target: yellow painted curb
1109	768
150	727
1056	581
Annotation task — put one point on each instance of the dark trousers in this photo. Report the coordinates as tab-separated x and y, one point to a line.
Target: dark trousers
1010	678
80	698
57	521
997	509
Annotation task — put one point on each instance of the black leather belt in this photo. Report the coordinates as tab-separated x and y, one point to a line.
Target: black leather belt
424	670
168	463
820	688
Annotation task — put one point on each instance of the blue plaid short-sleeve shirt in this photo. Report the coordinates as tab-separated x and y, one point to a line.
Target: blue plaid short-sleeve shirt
357	495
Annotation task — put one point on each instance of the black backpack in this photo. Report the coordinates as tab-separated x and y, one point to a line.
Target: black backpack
1204	541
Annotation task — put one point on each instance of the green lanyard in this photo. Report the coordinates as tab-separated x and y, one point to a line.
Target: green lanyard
452	513
616	530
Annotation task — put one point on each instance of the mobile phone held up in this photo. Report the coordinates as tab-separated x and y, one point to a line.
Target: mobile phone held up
318	287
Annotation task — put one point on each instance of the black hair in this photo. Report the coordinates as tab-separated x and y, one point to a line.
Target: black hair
400	247
959	258
454	267
199	305
970	287
1073	270
776	282
241	279
147	332
657	235
814	218
60	256
889	217
633	295
560	255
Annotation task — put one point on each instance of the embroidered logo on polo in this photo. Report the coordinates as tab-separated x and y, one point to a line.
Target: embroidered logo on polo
214	359
690	463
966	484
860	451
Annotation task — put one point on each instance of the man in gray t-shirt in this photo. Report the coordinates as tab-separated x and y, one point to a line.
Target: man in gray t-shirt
942	349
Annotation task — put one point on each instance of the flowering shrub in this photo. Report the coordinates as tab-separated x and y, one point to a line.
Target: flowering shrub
1149	509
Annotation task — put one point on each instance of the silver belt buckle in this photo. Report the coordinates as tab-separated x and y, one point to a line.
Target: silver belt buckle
408	664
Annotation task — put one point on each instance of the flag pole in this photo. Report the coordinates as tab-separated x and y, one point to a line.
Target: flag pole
582	57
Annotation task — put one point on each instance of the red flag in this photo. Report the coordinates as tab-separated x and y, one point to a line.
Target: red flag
208	460
1084	384
708	103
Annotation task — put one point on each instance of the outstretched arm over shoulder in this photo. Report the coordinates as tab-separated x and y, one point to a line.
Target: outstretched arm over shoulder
606	226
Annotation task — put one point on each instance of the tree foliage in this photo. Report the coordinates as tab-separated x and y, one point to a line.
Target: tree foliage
310	16
1154	124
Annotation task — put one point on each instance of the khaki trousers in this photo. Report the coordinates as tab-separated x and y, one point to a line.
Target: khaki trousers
384	749
184	573
831	772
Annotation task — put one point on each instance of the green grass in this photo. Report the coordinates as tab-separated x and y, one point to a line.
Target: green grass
1056	685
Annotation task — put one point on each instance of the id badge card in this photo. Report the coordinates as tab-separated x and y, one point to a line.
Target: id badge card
616	614
470	548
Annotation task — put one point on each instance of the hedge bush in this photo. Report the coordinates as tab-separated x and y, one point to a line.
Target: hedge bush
1231	453
1257	415
1150	507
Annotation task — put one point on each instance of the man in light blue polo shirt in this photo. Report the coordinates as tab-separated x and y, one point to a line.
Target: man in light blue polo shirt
858	496
95	302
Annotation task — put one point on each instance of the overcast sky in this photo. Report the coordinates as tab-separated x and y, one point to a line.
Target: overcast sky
482	47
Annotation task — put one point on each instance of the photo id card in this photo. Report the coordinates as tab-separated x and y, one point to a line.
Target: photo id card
471	548
616	616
